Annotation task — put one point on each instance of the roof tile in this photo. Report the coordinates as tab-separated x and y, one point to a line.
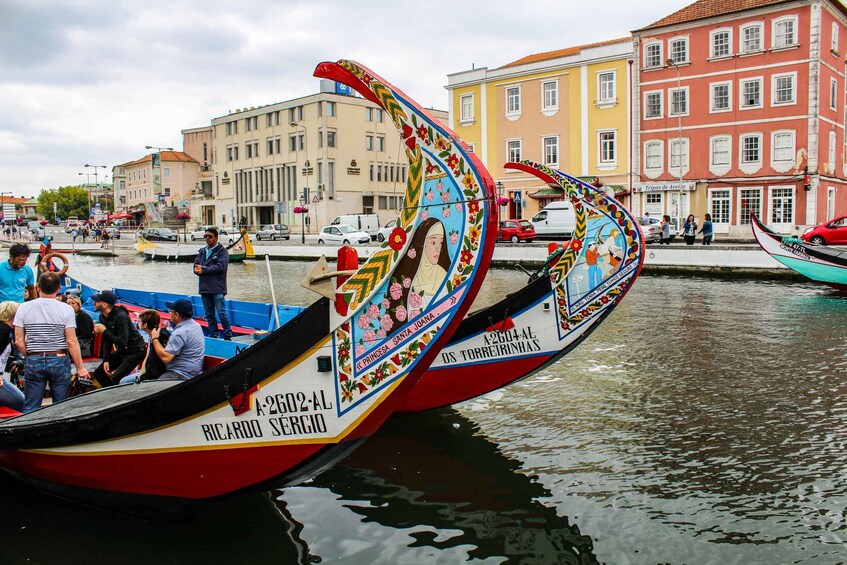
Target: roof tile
566	52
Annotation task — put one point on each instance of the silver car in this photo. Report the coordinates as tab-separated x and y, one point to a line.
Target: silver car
651	228
274	232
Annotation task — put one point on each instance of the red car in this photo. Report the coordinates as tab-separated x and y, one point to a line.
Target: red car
516	230
833	232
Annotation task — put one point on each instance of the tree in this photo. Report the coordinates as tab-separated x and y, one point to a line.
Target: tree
70	201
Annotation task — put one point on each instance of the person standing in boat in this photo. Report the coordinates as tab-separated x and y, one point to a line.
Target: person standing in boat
17	281
183	355
689	230
46	330
122	347
211	266
707	230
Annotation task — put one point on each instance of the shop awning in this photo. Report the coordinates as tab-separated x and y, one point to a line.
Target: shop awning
547	193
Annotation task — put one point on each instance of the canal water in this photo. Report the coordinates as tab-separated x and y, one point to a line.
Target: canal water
705	421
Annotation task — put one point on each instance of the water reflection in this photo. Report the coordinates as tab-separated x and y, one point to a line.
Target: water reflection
429	486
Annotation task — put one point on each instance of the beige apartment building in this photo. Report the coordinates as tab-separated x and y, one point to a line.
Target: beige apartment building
199	144
161	179
333	151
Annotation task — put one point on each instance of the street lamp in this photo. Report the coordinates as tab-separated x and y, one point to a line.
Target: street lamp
678	97
302	221
500	189
95	167
306	165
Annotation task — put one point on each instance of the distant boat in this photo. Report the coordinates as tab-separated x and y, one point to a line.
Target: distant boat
238	250
827	265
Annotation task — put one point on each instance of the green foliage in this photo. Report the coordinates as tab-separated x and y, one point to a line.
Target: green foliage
70	201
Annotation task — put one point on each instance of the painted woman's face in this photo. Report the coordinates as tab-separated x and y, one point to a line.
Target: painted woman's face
432	247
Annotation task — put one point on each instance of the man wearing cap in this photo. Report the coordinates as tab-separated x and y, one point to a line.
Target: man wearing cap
122	347
183	356
45	328
211	266
16	276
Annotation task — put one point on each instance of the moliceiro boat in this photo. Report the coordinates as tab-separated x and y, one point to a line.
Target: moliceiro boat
821	264
540	323
239	250
278	412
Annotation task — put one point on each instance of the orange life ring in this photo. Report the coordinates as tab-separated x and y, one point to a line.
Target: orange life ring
48	257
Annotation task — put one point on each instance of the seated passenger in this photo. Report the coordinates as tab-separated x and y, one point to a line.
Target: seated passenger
123	347
10	395
84	326
152	367
183	355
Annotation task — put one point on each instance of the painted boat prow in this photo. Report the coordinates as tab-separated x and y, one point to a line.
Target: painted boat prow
281	410
820	264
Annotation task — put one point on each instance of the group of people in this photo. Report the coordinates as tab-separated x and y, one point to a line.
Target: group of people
689	230
44	332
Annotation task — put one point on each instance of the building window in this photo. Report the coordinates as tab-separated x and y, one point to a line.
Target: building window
785	32
831	159
750	200
466	105
653	55
679	101
608	147
295	114
751	93
166	172
653	157
330	139
380	143
272	119
369	143
783	147
679	50
231	128
330	109
373	115
606	87
751	38
720	151
551	151
833	46
166	191
833	93
783	89
751	149
251	124
550	95
513	150
782	205
653	105
295	143
679	154
721	97
513	100
721	43
720	206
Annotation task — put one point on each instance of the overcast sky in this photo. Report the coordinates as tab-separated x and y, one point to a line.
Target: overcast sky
94	82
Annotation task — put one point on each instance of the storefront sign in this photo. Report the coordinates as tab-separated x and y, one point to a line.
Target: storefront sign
666	187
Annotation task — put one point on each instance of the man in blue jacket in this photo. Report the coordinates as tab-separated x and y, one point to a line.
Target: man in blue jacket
211	266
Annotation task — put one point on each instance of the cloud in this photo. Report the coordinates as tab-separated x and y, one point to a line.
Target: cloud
94	81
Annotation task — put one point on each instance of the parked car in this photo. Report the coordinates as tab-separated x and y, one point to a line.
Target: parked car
342	234
41	233
385	231
516	230
651	228
833	232
273	232
557	219
159	234
363	222
33	225
199	233
228	235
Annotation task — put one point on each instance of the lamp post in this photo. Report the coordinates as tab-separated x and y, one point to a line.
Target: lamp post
302	221
672	63
95	167
500	189
304	200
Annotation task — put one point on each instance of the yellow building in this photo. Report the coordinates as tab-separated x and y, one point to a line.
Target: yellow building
334	151
568	109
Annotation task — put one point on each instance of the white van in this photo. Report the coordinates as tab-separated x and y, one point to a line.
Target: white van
557	219
368	223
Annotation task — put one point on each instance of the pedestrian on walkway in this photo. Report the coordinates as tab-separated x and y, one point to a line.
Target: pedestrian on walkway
689	230
707	230
666	230
211	266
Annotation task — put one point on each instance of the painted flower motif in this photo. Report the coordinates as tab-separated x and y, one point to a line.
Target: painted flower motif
584	313
473	233
439	186
397	238
385	303
414	313
369	336
360	350
386	324
366	78
343	352
400	314
457	280
604	299
373	311
380	334
467	256
454	238
424	215
453	161
459	207
415	300
407	282
395	290
422	133
379	374
445	196
561	302
347	395
473	206
362	388
411	254
430	168
576	244
445	213
363	321
468	180
440	143
430	195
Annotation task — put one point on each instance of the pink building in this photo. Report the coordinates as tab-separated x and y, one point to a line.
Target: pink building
740	109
